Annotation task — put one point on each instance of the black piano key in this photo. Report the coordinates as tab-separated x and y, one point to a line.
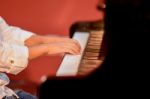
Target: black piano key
90	58
93	47
92	50
91	62
97	32
86	69
94	43
96	36
88	54
95	40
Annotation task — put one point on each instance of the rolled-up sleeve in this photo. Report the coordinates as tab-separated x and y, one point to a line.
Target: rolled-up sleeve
13	58
20	35
13	34
16	35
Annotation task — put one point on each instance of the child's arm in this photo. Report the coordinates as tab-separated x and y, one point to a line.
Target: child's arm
53	48
39	45
40	39
14	58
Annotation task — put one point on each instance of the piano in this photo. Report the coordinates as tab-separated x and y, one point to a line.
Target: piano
91	37
74	76
75	72
123	20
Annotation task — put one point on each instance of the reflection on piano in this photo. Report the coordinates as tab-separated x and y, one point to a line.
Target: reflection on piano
90	36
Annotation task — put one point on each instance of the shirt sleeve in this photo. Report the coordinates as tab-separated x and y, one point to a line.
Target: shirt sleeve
13	34
13	58
18	35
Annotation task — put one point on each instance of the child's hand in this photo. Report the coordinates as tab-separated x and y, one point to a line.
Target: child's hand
67	46
38	39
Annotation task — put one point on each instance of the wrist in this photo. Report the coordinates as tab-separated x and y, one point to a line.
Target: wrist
46	48
39	50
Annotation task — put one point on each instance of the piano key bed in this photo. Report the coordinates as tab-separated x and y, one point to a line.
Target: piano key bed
89	59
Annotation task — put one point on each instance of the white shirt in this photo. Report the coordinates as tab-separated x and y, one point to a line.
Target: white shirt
13	53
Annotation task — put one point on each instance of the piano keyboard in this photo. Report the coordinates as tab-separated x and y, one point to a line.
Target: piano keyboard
88	60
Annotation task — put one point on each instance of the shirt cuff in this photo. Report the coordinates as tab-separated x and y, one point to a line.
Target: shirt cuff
3	25
13	34
15	57
20	35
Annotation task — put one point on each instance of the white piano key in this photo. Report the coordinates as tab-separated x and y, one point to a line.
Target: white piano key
70	63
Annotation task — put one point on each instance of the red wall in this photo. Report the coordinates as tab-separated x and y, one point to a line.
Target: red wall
47	17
